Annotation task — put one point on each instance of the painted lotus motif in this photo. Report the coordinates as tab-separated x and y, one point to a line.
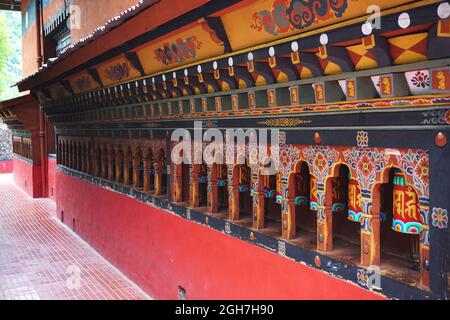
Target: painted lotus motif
439	218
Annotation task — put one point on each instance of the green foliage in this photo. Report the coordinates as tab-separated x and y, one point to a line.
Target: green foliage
10	53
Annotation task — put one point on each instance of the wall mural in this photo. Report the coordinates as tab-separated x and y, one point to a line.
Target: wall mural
268	20
179	51
368	167
285	16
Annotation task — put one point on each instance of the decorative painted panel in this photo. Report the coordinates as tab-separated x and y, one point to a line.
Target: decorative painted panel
117	70
83	82
268	20
192	44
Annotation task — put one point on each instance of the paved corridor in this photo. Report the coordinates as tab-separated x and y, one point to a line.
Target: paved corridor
41	259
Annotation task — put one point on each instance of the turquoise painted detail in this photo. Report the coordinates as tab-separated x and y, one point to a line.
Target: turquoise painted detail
244	188
269	193
278	199
409	227
354	216
338	207
314	206
301	201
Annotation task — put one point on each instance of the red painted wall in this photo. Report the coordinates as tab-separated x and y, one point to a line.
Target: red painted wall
161	251
51	179
27	177
6	166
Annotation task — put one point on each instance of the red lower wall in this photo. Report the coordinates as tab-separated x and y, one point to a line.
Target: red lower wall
28	177
161	251
6	166
51	179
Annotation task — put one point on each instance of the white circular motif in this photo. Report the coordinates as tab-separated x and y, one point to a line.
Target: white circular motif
215	65
404	21
272	51
324	39
199	69
186	72
366	28
294	46
230	61
164	77
250	56
444	10
174	75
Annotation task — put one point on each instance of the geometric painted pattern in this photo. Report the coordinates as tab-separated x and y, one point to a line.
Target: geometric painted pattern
408	49
328	66
361	58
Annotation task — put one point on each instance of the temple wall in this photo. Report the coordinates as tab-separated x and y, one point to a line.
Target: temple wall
161	251
51	178
27	176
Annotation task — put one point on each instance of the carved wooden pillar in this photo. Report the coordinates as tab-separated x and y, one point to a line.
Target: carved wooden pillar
95	170
370	231
126	170
77	157
195	191
136	171
233	191
111	168
288	219
147	173
258	210
119	167
158	178
233	203
73	156
69	155
64	154
213	198
83	158
258	200
177	191
89	158
325	229
104	163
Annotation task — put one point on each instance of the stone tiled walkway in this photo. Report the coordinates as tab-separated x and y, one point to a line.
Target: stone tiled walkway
41	259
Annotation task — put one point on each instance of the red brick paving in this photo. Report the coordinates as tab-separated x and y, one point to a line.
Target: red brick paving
38	255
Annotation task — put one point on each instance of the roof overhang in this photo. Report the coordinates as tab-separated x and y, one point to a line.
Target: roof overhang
114	37
20	113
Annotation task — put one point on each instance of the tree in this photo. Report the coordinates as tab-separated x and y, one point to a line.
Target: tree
10	53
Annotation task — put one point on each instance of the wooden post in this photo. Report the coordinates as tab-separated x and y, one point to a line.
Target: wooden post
136	170
213	199
126	172
258	210
110	164
147	174
158	178
325	229
119	159
178	182
233	204
288	220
